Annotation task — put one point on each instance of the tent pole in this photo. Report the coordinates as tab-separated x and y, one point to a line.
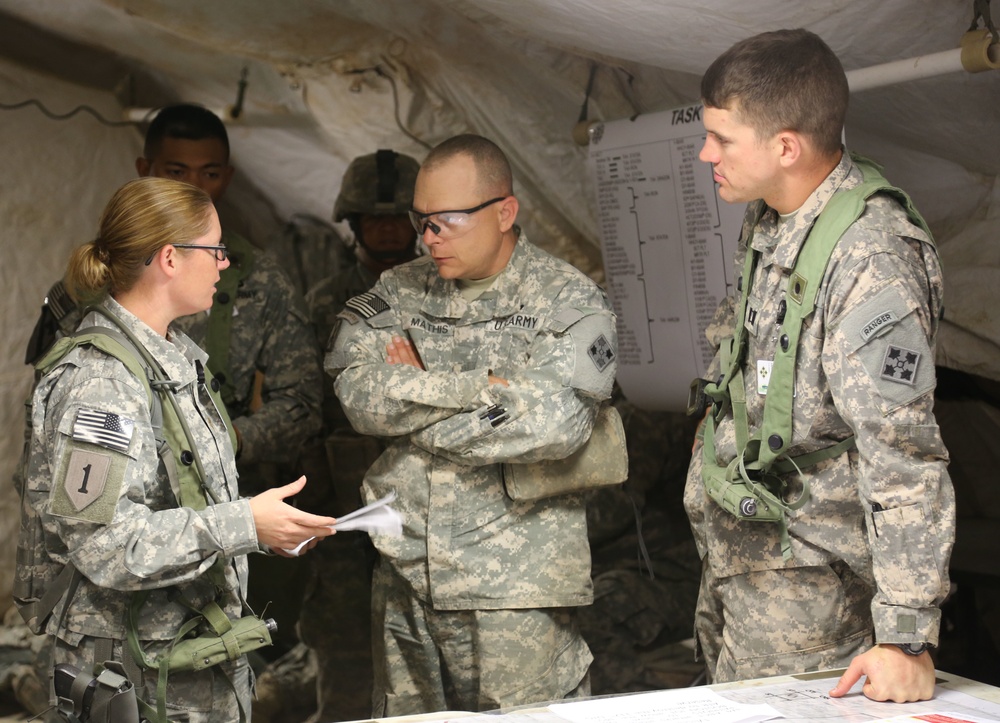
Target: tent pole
977	53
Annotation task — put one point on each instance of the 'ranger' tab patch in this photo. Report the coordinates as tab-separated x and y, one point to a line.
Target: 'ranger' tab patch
601	353
880	324
105	429
900	365
367	304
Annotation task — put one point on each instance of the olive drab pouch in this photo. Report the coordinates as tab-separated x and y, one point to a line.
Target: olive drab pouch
602	461
221	639
237	637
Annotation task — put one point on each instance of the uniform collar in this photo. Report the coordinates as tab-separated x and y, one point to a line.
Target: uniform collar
175	356
782	239
444	299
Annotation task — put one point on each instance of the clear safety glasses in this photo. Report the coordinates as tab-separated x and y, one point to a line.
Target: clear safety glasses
448	224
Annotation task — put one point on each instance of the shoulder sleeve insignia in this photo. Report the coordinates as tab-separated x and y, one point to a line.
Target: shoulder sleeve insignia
900	365
105	429
367	304
601	353
88	486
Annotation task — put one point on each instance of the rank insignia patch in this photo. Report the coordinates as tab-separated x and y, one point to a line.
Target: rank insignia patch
600	353
367	304
900	365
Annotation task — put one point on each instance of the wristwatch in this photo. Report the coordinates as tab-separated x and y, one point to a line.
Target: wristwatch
913	648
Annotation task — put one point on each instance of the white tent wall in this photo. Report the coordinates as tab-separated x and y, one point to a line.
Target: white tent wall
56	179
327	79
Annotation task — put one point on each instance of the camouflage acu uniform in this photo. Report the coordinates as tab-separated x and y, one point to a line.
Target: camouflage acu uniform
870	549
270	334
467	548
349	453
113	514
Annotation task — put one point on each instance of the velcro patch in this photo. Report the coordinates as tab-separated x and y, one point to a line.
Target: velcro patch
367	304
88	485
105	429
86	476
900	365
601	353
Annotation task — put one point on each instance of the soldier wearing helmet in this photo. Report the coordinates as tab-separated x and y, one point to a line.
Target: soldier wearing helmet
375	198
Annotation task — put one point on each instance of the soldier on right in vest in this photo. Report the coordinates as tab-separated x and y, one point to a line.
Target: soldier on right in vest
817	492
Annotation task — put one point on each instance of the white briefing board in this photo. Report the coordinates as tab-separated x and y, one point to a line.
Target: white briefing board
668	242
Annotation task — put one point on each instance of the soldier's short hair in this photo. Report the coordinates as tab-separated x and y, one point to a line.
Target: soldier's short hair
782	80
492	166
186	121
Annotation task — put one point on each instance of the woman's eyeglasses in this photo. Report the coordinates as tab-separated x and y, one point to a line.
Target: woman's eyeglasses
220	252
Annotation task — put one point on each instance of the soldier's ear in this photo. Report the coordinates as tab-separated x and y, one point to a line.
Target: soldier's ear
508	213
789	146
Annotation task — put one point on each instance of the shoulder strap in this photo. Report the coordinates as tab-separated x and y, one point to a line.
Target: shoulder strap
220	321
843	209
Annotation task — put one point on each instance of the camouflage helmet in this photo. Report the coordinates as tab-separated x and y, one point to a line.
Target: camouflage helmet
379	184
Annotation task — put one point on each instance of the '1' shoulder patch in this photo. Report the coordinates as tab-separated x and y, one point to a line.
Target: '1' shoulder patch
367	304
900	365
86	476
600	353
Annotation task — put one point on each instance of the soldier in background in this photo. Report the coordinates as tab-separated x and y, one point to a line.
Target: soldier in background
375	197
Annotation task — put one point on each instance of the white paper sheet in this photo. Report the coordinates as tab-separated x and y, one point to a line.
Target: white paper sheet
377	517
682	705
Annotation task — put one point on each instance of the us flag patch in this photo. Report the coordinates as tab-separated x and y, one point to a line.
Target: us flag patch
105	429
367	304
900	365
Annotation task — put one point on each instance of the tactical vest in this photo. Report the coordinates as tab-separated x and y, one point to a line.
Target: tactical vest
40	584
752	485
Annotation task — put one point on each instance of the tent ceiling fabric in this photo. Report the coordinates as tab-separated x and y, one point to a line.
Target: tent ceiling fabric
328	77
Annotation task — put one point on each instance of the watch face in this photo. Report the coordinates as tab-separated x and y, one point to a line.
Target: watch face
913	648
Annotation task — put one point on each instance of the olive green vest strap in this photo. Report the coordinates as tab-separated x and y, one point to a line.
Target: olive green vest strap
107	340
733	347
242	255
751	486
843	209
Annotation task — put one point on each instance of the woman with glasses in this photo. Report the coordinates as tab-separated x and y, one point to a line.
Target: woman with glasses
147	516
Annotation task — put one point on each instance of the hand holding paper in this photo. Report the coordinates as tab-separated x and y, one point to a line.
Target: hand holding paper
377	517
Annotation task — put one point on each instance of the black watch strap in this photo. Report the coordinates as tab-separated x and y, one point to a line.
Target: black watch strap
913	648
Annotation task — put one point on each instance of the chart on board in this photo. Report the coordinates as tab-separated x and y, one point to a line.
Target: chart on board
668	242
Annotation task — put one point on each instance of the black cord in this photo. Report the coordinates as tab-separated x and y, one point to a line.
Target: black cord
66	116
395	107
586	95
